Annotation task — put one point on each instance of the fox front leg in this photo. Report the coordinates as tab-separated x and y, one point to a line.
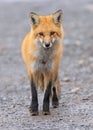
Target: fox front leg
34	103
46	101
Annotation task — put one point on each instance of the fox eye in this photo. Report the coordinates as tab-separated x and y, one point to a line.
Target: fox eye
41	34
52	33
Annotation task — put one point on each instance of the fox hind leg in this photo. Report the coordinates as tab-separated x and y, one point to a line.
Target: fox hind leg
55	95
55	101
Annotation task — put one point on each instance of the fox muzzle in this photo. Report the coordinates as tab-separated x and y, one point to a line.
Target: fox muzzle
47	45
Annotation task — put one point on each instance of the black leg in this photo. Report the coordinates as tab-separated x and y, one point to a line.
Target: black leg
34	102
55	102
46	100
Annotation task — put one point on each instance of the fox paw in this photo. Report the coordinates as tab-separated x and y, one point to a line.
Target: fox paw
46	113
55	104
33	113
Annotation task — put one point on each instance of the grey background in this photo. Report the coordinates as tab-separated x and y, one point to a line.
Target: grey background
75	111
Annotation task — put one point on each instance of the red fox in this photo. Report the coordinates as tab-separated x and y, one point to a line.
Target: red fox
42	52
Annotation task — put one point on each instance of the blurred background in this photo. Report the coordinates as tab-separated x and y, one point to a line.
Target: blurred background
76	69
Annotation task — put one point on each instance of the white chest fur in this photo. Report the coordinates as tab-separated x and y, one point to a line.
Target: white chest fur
45	61
42	66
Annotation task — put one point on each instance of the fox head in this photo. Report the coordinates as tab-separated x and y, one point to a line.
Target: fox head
47	30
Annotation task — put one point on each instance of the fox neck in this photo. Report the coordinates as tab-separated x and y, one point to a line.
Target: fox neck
44	54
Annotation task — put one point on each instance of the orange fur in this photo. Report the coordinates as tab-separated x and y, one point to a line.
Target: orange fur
29	50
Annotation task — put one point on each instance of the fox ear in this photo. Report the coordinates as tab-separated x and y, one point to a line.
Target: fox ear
57	16
34	18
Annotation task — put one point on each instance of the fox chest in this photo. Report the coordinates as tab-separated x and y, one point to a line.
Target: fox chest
42	66
44	62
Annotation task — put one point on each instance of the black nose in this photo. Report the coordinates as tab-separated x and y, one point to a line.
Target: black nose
47	44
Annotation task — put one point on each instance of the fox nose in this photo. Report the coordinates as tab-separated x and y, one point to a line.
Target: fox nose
47	44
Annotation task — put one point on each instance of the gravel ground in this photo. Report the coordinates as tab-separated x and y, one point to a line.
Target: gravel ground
75	111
